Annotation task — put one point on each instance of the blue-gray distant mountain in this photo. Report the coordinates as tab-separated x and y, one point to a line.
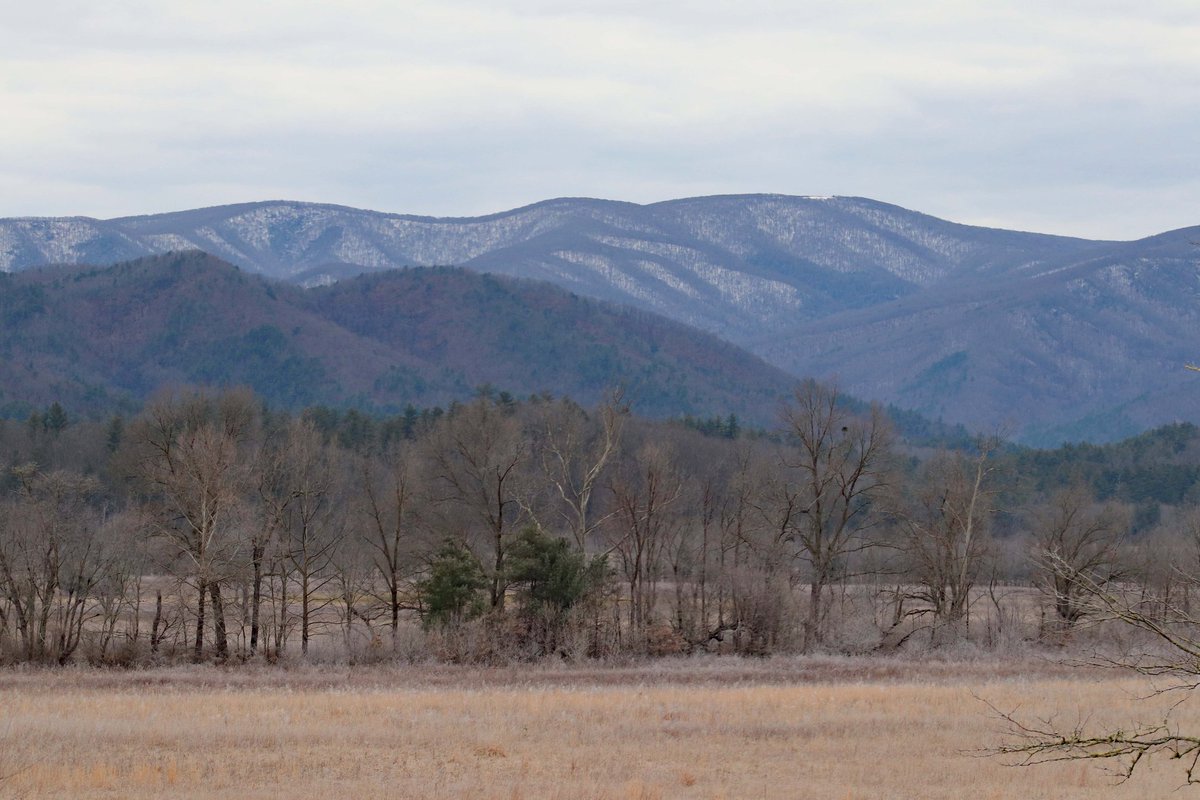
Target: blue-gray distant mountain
1053	337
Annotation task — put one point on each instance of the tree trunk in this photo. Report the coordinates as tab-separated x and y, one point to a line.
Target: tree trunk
395	597
198	653
813	635
218	613
304	594
256	598
497	577
154	635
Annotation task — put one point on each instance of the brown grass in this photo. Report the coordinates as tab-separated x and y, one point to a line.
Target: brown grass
796	728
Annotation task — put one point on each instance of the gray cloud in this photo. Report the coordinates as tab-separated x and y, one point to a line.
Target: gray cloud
1080	118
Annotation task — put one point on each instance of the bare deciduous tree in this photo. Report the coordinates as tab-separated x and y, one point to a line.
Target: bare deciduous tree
836	470
573	452
750	556
946	533
188	452
50	561
646	491
1072	528
275	496
390	501
477	454
312	529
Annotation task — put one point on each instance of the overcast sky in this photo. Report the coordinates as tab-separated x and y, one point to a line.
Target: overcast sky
1074	116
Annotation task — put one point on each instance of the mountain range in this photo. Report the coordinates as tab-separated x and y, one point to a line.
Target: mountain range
1047	337
104	339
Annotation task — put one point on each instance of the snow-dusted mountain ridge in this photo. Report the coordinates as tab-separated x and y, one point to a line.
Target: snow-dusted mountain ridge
727	264
1047	334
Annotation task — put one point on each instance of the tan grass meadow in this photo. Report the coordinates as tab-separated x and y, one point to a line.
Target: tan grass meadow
707	728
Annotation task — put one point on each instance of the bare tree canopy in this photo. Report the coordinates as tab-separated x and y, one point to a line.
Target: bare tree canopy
831	478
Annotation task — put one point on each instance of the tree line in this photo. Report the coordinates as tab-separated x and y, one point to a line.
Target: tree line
211	527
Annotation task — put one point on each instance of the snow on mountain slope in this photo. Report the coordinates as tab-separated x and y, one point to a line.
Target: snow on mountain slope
728	264
981	326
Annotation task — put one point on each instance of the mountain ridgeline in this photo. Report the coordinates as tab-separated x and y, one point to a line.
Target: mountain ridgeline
104	339
1048	338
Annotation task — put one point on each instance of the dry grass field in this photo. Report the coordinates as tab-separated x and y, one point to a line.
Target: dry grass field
707	728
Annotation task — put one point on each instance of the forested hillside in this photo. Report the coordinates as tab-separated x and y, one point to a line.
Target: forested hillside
104	339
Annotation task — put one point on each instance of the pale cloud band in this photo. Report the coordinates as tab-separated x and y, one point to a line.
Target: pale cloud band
1068	117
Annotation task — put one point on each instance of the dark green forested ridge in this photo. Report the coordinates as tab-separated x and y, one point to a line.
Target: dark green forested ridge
102	340
1158	466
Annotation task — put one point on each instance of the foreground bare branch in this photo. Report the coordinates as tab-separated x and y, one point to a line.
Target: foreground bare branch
1042	742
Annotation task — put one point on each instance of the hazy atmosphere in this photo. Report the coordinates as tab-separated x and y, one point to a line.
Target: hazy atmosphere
1079	119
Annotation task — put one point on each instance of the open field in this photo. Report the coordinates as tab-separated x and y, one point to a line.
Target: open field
706	728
